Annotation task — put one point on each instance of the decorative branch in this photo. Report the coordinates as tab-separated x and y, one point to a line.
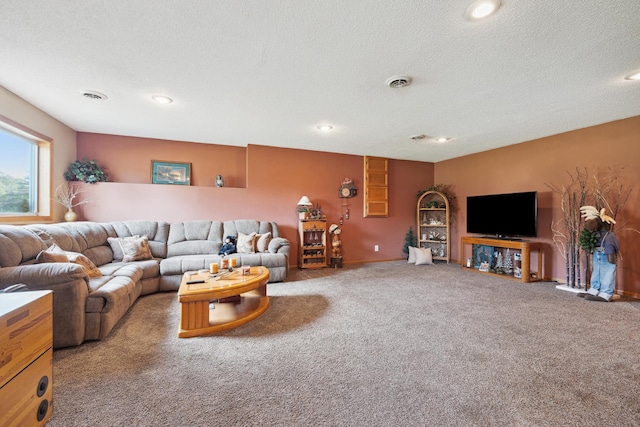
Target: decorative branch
67	193
600	189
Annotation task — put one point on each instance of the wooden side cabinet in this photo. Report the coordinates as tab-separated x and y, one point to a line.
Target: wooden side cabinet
313	243
26	358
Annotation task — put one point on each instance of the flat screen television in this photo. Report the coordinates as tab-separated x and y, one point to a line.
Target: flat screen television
503	215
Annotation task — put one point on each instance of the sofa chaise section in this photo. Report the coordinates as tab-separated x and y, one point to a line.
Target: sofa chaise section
112	292
19	248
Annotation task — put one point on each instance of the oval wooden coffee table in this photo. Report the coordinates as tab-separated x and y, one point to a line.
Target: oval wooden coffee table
196	316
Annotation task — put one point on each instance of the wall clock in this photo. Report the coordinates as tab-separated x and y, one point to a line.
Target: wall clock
347	189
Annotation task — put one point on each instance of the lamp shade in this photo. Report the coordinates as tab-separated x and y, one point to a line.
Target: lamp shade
304	201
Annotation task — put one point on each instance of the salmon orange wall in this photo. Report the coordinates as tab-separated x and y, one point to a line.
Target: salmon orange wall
531	165
128	159
276	178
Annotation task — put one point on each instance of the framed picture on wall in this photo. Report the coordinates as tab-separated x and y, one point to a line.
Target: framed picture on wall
170	173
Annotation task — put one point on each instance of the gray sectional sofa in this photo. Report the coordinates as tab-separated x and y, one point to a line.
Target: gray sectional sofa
87	303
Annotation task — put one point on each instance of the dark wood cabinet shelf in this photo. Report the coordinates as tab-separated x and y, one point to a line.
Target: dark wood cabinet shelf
312	234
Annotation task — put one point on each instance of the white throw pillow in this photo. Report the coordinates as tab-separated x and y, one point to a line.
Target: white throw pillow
114	242
412	255
262	242
423	256
246	243
135	249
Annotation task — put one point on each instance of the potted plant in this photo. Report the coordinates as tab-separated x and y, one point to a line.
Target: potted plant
86	170
66	195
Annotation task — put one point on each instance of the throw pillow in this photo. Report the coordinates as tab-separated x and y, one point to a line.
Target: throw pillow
114	242
135	249
423	256
89	267
246	243
52	254
262	242
412	255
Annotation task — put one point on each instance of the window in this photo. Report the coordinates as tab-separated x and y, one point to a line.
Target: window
18	174
25	169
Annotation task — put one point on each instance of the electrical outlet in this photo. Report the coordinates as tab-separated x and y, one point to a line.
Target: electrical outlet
375	248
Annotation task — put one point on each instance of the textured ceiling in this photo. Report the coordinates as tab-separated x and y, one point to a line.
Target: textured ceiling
268	72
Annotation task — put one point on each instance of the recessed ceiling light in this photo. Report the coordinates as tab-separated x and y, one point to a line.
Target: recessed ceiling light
398	81
633	76
91	94
442	139
481	9
324	128
161	99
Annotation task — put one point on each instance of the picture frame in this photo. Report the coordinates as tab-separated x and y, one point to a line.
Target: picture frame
175	173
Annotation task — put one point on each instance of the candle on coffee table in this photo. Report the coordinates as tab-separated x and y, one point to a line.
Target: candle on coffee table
213	268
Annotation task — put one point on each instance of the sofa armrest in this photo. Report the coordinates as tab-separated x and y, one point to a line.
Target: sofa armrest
279	245
70	291
42	276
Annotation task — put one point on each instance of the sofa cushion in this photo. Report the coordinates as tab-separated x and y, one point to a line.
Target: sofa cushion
262	242
53	234
181	264
52	254
246	243
108	291
18	245
86	263
129	271
156	231
116	247
86	234
194	238
135	249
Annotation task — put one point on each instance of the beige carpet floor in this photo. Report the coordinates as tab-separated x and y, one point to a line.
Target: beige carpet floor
382	344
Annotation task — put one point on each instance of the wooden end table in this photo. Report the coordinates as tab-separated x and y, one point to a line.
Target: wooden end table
196	316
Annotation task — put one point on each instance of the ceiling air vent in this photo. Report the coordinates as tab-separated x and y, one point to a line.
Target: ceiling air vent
398	81
94	95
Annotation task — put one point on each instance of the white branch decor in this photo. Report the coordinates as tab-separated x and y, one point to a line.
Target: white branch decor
66	194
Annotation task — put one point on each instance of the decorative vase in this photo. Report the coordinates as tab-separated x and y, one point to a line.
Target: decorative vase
219	181
70	216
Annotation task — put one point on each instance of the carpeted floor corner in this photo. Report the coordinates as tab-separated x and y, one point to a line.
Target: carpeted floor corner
381	344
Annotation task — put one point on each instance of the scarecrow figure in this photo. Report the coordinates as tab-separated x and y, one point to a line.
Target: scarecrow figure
605	255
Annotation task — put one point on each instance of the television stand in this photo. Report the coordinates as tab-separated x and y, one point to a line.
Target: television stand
525	247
